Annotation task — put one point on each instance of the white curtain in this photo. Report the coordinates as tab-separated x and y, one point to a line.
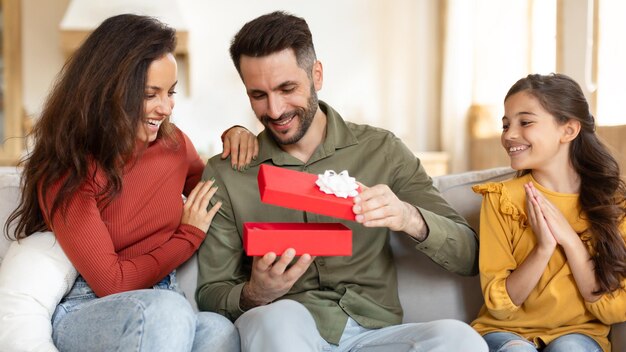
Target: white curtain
457	80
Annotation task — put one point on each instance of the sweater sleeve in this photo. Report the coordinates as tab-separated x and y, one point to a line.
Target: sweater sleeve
86	240
496	261
196	166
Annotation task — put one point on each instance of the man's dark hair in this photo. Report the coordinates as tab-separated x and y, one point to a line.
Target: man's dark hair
272	33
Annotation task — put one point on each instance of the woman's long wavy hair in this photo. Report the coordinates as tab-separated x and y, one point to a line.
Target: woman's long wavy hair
602	190
91	117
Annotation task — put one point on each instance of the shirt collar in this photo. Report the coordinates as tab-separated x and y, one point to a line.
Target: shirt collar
338	136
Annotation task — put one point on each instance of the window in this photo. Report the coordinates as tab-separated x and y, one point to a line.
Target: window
611	63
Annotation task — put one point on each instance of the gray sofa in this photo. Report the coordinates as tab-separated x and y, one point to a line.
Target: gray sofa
427	292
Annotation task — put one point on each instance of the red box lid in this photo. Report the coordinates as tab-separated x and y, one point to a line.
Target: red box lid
297	190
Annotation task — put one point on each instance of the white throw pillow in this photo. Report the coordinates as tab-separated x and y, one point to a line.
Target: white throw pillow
35	274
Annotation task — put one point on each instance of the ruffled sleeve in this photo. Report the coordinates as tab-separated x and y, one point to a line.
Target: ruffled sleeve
500	219
505	204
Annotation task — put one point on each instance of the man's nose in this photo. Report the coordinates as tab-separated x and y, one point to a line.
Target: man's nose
275	106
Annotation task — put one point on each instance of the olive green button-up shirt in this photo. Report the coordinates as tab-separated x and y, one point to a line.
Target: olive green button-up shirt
362	286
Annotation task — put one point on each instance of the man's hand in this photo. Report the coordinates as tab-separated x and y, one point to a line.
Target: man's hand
271	279
378	206
241	145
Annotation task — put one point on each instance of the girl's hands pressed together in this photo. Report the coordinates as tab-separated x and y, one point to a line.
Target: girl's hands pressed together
558	226
536	217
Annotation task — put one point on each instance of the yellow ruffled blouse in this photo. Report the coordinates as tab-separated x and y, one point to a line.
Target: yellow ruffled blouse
554	307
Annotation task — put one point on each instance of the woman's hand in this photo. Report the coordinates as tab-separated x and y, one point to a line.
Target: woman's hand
241	145
195	211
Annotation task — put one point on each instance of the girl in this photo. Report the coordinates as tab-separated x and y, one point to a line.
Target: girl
552	253
106	175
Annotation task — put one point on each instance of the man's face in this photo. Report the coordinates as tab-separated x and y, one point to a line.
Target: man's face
281	94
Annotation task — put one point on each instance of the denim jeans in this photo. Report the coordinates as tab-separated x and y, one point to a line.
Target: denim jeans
510	342
287	325
158	319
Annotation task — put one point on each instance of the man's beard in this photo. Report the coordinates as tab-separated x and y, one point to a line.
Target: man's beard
305	115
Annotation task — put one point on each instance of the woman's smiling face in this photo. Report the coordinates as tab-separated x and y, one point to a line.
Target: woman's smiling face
159	93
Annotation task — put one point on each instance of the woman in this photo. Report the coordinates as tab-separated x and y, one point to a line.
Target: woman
106	175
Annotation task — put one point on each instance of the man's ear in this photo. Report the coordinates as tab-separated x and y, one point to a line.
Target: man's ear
318	75
571	129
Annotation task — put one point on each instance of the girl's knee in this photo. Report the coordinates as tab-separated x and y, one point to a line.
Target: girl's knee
573	343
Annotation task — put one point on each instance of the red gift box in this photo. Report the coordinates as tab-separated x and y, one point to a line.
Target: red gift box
317	239
297	190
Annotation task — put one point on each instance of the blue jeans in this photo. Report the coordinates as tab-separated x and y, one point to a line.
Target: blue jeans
158	319
286	326
510	342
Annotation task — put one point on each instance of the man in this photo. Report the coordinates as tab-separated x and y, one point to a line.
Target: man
321	303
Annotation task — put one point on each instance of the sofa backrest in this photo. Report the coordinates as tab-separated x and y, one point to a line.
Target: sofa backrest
426	290
9	193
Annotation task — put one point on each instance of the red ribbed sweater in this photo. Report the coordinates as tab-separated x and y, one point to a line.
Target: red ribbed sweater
137	239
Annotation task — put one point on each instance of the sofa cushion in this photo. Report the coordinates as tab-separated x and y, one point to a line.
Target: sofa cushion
457	190
427	291
35	274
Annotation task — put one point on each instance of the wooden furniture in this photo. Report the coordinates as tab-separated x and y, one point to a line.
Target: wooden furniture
83	16
11	111
435	163
485	150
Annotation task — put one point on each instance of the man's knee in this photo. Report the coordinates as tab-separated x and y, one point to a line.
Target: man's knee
455	335
285	313
278	325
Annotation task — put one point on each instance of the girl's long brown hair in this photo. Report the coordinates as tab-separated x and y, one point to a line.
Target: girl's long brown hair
602	190
91	117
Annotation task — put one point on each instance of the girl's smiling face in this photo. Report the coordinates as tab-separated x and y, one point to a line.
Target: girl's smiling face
531	135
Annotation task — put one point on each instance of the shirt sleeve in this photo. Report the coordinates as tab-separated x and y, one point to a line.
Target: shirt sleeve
496	260
451	242
221	272
611	307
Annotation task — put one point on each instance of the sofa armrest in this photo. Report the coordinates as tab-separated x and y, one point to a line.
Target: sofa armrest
618	337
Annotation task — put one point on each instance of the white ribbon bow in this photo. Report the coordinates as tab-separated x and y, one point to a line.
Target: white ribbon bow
339	184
